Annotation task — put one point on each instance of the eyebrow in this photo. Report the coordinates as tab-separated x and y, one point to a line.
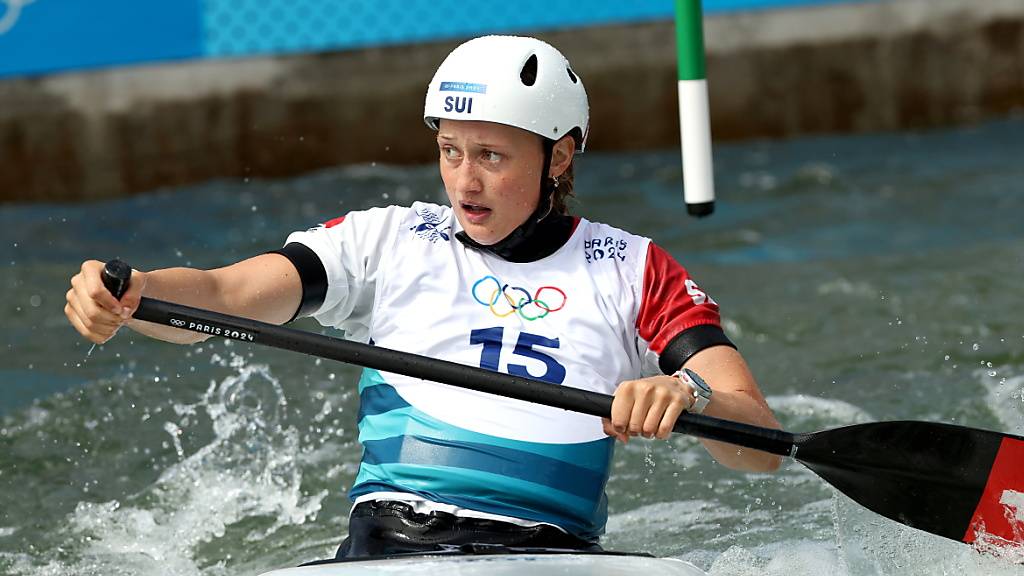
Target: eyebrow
488	145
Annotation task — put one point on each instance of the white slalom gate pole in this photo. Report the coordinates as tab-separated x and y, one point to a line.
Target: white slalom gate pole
694	115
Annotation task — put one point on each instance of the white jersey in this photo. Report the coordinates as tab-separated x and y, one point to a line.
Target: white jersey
585	317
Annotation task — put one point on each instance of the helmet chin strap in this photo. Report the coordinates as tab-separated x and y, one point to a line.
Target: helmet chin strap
541	234
547	187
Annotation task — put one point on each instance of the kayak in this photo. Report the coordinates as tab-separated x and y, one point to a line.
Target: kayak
502	565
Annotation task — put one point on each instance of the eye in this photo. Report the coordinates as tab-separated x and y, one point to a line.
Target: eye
449	152
492	156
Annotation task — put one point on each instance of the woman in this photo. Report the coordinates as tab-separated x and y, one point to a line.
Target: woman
505	279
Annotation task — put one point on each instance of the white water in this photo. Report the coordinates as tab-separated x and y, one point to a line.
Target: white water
244	486
1004	396
246	480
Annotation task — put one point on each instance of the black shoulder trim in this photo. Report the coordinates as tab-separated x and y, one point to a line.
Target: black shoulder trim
689	342
312	274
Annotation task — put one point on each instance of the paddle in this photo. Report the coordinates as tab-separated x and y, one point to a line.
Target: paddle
948	480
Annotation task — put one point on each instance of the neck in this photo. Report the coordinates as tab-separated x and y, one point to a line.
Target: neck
539	237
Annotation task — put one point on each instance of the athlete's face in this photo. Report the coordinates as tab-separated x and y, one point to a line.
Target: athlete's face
491	173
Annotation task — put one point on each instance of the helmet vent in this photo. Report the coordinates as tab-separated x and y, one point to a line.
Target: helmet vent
571	75
529	72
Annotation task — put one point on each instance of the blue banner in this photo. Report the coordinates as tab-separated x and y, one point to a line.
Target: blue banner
44	36
236	27
41	36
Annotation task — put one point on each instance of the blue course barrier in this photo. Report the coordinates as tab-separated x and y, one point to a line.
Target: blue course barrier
41	36
45	36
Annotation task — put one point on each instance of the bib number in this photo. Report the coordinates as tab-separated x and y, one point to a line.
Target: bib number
526	347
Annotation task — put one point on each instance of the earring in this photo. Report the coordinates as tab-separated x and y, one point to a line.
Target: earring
554	180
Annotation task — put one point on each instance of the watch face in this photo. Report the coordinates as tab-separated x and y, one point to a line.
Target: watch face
702	387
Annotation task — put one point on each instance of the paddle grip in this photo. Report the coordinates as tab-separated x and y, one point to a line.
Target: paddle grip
116	275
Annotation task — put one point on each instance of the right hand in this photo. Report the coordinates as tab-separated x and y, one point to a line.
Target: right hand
93	310
647	407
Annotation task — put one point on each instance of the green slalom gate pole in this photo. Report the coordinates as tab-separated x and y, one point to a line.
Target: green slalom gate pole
694	118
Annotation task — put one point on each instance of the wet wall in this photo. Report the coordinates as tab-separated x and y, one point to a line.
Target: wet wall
832	68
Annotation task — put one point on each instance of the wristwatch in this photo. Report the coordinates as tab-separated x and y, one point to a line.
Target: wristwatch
700	389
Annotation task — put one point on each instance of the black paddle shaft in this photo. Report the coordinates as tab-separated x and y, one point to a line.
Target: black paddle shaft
445	372
116	275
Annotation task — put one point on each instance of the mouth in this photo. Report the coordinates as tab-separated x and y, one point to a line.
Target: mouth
474	210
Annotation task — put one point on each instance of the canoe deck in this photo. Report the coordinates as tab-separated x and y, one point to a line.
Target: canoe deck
503	565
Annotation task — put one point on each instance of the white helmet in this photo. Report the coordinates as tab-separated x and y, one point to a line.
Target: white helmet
513	80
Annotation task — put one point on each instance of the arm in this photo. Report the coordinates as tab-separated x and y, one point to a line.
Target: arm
266	288
312	273
681	325
650	406
736	396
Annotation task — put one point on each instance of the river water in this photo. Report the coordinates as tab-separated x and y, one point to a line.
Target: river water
864	278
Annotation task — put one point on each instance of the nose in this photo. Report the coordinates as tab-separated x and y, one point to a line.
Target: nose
467	178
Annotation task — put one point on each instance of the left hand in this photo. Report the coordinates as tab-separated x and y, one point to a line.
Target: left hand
647	407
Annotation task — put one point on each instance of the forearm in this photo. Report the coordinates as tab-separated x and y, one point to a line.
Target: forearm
739	406
263	288
187	286
736	397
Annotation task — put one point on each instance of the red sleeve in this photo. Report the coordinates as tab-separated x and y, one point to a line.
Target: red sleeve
671	301
334	222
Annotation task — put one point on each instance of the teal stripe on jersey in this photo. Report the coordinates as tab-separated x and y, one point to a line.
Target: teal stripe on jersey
368	378
379	399
405	420
481	457
407	450
491	493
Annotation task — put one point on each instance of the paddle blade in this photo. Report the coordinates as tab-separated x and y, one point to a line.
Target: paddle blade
949	480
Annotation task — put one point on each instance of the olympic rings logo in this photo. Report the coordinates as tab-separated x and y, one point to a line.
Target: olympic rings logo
504	300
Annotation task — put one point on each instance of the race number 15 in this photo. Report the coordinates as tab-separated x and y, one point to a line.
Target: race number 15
526	347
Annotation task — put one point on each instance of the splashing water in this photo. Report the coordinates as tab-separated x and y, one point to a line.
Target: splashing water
1013	502
997	547
1005	398
869	544
245	484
